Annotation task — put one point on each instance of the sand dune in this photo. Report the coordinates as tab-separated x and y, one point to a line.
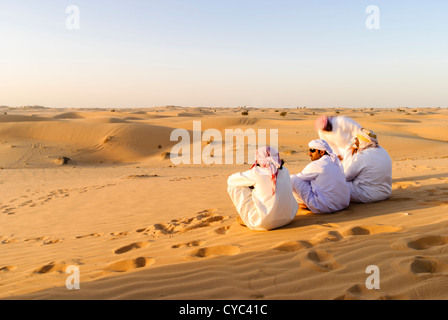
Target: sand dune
21	118
139	227
86	142
69	115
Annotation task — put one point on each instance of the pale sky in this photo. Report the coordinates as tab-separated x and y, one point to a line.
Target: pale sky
257	53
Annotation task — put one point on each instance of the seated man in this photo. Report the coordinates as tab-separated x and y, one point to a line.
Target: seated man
321	186
338	132
368	169
263	195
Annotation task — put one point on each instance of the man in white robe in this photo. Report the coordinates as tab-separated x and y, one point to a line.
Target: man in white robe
263	195
368	169
321	186
338	132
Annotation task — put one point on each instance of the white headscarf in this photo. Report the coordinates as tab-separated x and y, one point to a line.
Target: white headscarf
367	139
321	144
267	157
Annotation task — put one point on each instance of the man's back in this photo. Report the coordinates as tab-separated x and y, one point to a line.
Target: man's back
328	185
267	210
369	174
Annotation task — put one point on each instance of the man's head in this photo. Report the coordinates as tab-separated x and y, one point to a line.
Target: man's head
323	123
316	154
366	139
318	148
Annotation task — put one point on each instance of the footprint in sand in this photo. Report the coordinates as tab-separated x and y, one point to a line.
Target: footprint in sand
141	176
194	178
132	246
23	204
203	219
52	241
7	268
406	185
327	224
52	267
225	250
328	236
117	235
35	239
222	230
369	230
128	265
44	240
437	196
195	243
7	240
357	292
9	211
427	242
421	265
292	246
436	192
91	235
320	260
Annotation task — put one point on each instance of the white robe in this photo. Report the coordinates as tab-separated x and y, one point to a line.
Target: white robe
342	134
259	208
321	186
369	175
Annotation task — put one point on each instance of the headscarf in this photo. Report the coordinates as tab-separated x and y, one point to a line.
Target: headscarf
321	144
321	123
267	157
367	139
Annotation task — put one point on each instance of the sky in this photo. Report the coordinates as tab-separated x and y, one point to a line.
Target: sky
212	53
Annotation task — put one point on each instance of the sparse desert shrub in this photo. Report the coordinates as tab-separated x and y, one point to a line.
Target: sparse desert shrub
108	139
62	161
165	155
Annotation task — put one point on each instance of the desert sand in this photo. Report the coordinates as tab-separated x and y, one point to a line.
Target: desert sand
95	188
